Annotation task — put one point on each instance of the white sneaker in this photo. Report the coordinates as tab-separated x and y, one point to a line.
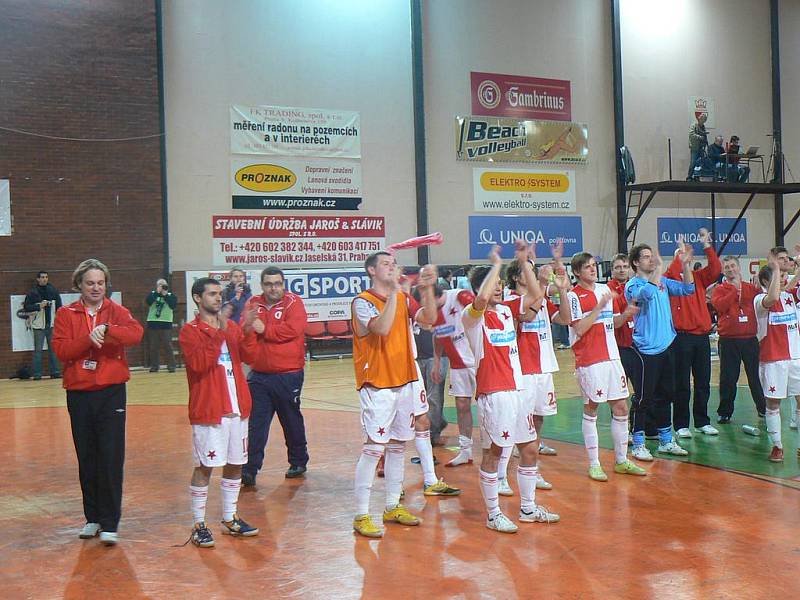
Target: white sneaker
502	524
89	531
503	488
541	484
109	538
707	430
684	433
672	448
546	450
464	457
539	514
642	453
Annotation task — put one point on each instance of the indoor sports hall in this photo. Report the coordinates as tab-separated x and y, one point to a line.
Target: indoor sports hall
178	140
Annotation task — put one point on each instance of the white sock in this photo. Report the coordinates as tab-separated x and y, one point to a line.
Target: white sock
199	498
619	433
589	427
230	497
465	444
365	474
489	493
502	464
773	420
526	478
422	440
393	469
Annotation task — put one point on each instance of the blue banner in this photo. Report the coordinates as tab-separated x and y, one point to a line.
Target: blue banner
672	230
311	285
484	232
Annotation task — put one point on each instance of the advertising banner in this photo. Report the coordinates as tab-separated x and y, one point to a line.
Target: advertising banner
702	105
326	293
486	231
503	139
500	95
296	184
516	190
5	207
673	230
290	131
295	240
21	336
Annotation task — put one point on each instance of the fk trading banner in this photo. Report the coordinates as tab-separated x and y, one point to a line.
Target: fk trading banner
500	139
295	240
523	97
516	190
289	131
296	184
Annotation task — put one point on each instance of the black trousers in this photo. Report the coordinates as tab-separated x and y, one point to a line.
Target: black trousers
732	353
157	340
276	393
98	431
629	358
654	383
692	362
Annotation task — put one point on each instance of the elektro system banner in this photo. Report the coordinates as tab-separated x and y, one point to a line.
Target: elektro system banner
295	183
500	95
503	139
543	232
517	190
295	240
326	293
290	131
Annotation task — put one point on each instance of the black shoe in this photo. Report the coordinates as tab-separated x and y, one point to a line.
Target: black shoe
416	460
56	376
723	420
295	472
761	415
37	378
171	370
248	481
154	370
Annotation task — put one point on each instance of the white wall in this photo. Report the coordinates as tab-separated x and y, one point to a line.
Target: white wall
352	55
560	40
790	104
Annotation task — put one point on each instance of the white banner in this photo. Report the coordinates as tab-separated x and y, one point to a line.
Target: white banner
296	183
295	240
21	336
523	190
326	293
5	207
291	131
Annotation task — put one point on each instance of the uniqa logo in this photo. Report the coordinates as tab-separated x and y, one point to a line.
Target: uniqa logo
265	178
489	94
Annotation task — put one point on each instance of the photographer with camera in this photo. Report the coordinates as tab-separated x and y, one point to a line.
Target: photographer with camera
41	303
162	303
235	295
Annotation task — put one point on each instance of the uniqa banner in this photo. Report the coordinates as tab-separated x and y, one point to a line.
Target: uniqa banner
673	230
518	190
296	184
291	131
504	139
542	232
295	240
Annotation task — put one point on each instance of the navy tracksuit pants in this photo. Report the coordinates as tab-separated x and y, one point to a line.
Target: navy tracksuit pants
276	393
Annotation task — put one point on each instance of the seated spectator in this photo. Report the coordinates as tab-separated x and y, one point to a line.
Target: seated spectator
736	172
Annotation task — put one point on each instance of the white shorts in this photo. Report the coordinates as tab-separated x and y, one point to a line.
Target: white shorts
602	381
462	382
780	379
540	394
220	445
504	420
388	413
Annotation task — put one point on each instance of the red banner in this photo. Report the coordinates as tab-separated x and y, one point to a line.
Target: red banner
500	95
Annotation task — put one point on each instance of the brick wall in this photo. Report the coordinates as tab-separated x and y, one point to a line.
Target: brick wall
79	69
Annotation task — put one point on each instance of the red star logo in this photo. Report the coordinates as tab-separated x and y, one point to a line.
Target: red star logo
506	316
599	393
789	301
381	431
772	388
505	435
453	311
212	455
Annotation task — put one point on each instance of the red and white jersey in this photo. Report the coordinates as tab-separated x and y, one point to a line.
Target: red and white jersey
493	339
598	344
777	329
535	341
449	330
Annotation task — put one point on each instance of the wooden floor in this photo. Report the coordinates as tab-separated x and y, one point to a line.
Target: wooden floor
685	531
